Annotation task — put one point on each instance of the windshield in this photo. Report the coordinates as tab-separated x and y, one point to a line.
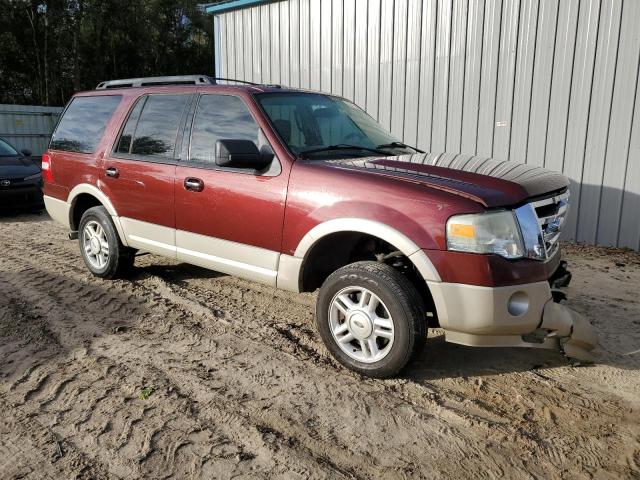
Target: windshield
7	150
311	122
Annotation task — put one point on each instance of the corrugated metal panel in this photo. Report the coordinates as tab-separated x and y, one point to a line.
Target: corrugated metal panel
326	45
276	65
457	75
617	157
386	63
541	89
314	44
360	93
472	69
580	103
546	82
412	92
304	43
349	49
524	78
506	77
337	35
599	119
294	42
373	57
399	65
247	45
488	77
285	65
427	66
28	127
441	77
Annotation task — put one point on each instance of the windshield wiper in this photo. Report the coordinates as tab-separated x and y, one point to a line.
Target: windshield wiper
399	145
330	148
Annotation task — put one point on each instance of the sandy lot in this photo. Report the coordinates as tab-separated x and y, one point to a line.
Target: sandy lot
182	372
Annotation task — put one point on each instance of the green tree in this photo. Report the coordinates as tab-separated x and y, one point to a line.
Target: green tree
52	48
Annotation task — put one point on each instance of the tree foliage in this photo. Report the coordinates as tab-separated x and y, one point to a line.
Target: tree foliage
52	48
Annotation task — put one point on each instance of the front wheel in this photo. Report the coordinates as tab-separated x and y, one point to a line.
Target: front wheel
102	251
371	318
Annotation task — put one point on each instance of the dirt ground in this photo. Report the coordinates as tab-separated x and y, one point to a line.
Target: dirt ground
182	372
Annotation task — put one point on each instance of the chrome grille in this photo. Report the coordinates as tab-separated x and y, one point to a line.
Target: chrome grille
551	213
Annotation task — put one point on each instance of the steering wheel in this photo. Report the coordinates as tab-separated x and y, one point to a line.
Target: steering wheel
353	138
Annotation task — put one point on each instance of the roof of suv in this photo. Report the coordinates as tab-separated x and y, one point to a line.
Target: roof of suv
182	88
180	82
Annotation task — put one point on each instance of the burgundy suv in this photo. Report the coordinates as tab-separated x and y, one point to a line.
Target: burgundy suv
302	190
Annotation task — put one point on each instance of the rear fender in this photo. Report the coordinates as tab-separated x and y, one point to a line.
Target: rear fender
102	198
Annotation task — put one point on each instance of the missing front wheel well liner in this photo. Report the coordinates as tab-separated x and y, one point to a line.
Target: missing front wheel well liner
343	248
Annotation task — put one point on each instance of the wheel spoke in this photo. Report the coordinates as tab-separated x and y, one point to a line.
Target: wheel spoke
364	347
378	332
347	338
373	347
344	303
341	328
383	323
368	301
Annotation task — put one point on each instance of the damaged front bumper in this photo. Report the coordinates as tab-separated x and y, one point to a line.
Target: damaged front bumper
575	335
528	315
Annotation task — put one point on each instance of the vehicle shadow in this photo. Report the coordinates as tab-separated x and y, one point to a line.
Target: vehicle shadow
13	215
176	273
441	360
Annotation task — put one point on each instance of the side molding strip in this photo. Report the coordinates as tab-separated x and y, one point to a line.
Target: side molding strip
226	261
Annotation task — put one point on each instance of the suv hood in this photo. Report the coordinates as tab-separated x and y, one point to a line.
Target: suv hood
16	168
492	183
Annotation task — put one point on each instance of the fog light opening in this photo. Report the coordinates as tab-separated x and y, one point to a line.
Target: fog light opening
518	304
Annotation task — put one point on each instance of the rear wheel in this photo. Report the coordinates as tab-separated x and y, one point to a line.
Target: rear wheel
371	318
102	251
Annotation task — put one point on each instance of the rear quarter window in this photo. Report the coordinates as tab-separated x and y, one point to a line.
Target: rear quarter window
83	123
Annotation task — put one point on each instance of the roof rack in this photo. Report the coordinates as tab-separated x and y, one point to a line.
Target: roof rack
168	80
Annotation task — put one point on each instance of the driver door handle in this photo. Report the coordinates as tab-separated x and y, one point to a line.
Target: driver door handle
193	184
112	172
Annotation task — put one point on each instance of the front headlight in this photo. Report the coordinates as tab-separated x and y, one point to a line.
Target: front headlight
490	232
35	176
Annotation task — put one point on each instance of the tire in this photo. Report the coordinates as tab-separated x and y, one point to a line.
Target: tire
392	316
113	259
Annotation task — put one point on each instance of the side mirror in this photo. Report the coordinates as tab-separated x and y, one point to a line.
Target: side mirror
240	154
26	152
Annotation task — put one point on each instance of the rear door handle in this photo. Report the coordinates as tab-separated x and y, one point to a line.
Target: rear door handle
193	184
112	172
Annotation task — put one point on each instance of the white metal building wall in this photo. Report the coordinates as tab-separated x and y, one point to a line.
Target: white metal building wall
547	82
27	126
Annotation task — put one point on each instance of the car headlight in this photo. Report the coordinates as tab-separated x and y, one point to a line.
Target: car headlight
35	176
490	232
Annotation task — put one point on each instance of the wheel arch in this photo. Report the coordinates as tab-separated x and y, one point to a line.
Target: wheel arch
84	196
292	272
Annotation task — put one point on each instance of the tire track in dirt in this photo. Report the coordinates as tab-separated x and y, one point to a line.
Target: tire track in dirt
243	385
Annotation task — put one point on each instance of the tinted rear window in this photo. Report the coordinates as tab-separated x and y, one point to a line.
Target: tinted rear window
157	127
83	123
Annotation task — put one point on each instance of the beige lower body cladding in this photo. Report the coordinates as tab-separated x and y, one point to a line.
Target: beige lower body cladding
499	317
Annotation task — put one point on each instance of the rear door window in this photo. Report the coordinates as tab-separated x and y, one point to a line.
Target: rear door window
153	125
83	123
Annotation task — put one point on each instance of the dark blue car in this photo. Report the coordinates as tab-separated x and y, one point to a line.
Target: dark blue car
20	179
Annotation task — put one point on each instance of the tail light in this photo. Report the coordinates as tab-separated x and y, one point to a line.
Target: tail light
47	172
